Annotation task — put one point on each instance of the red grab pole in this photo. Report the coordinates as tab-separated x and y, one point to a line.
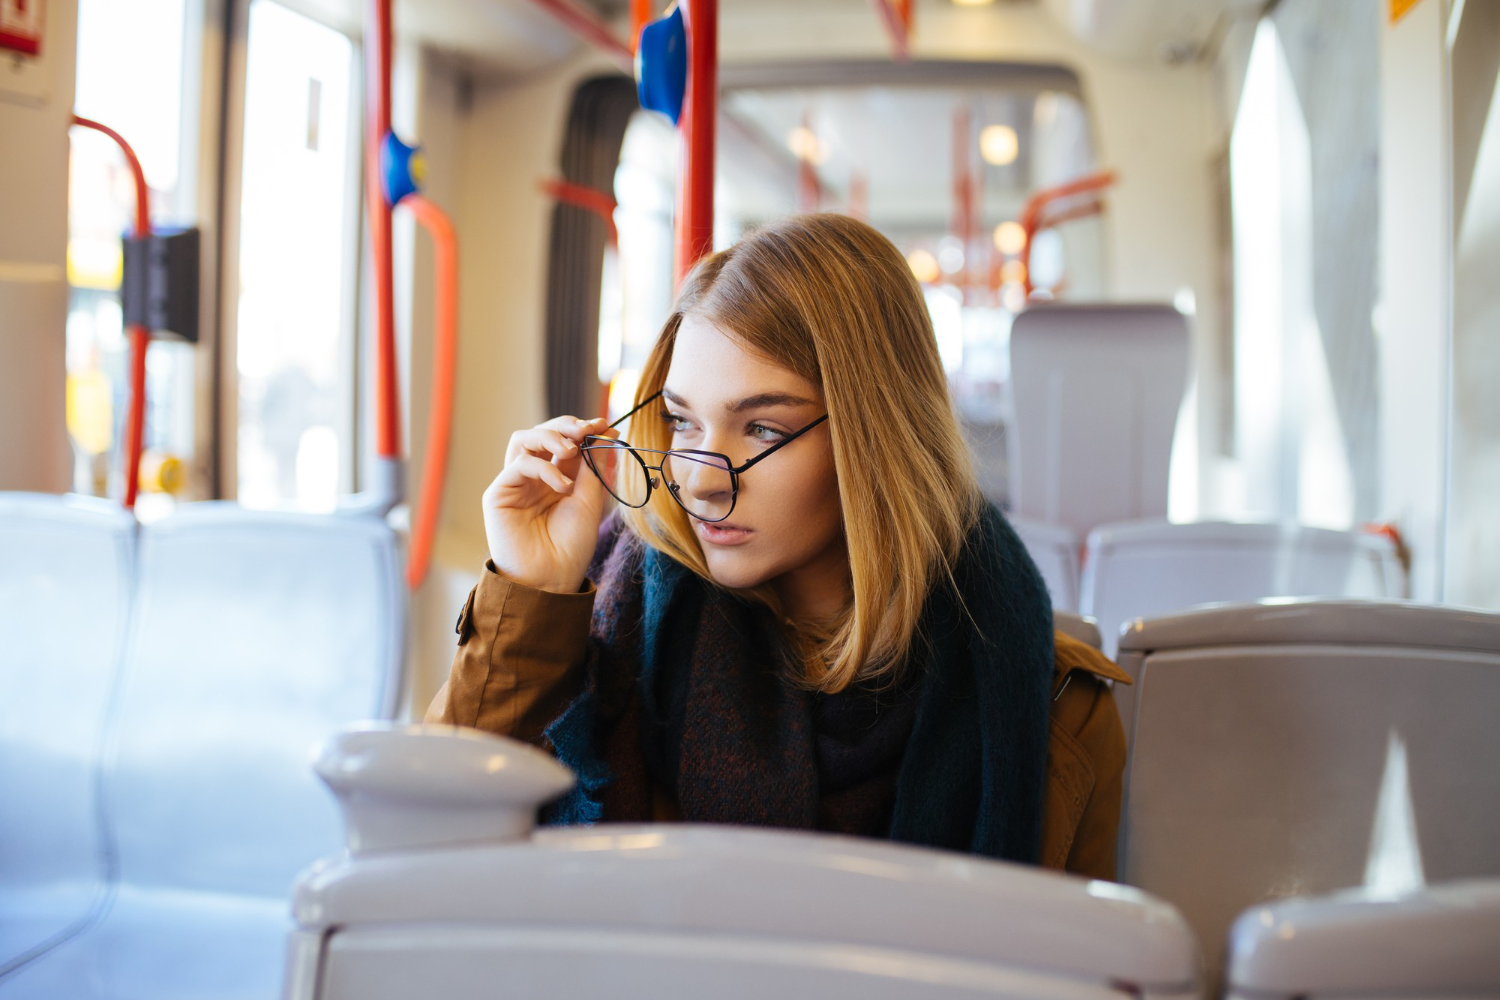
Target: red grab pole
140	337
700	108
377	124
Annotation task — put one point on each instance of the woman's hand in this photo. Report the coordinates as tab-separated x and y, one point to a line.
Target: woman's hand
542	513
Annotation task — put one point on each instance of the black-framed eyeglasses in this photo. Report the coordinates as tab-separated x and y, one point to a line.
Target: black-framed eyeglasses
704	483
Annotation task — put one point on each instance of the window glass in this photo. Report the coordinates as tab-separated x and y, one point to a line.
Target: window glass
130	71
1304	187
294	341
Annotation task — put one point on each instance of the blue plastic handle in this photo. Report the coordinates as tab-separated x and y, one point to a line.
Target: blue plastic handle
400	168
661	65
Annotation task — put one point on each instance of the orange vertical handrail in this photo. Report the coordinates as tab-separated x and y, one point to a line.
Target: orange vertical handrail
591	29
377	124
963	193
896	16
140	337
1033	221
700	107
444	357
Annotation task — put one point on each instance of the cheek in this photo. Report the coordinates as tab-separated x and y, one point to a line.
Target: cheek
796	517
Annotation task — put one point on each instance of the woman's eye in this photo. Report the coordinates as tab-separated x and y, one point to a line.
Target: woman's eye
676	423
764	434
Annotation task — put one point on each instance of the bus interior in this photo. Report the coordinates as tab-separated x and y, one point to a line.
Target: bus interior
1213	285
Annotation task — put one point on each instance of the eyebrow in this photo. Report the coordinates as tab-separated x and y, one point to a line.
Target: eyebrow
755	402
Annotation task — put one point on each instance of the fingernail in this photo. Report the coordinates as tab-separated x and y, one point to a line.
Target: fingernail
567	481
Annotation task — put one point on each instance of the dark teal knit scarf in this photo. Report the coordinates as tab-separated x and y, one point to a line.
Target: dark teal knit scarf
687	688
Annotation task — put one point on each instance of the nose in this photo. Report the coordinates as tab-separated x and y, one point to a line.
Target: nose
701	481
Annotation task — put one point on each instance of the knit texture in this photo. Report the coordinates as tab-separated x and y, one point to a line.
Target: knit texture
688	691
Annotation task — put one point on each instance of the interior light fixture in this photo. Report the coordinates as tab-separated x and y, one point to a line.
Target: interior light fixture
998	144
924	266
805	145
1010	237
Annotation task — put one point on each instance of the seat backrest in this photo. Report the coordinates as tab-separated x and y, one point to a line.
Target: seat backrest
448	890
1146	568
1097	389
1055	550
1078	627
1260	744
257	635
1437	941
65	572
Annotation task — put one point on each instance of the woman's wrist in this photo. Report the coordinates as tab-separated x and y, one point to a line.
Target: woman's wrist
551	586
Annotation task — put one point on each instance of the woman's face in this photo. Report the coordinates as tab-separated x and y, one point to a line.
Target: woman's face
720	397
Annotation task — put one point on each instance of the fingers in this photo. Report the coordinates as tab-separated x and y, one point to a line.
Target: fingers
557	439
518	482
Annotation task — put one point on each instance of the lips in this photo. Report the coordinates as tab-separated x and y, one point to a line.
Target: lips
722	533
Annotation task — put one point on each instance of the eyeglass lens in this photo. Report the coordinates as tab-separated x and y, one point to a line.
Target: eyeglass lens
701	484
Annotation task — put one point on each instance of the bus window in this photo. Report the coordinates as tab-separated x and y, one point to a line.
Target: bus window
632	312
130	73
294	327
1304	187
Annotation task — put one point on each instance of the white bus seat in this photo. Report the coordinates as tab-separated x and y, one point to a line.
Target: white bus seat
1077	627
1439	942
65	584
635	912
1145	568
1097	389
1260	742
256	635
1055	551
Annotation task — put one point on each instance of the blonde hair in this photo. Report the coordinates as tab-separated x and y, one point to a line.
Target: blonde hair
830	299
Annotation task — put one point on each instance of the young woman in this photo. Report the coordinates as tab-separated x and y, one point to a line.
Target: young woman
801	612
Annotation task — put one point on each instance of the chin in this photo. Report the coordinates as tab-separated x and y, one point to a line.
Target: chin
734	571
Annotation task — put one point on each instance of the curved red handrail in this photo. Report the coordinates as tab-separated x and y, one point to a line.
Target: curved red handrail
600	203
140	337
1033	221
444	362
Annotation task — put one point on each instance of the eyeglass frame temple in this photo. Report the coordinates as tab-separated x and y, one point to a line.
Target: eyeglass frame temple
733	470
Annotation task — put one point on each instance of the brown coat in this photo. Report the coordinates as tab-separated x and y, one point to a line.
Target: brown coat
520	663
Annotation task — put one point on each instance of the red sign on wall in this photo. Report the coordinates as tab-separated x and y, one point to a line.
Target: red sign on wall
21	26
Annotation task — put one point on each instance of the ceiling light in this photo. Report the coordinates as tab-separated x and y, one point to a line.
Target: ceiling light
998	144
1010	238
924	266
805	145
973	3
